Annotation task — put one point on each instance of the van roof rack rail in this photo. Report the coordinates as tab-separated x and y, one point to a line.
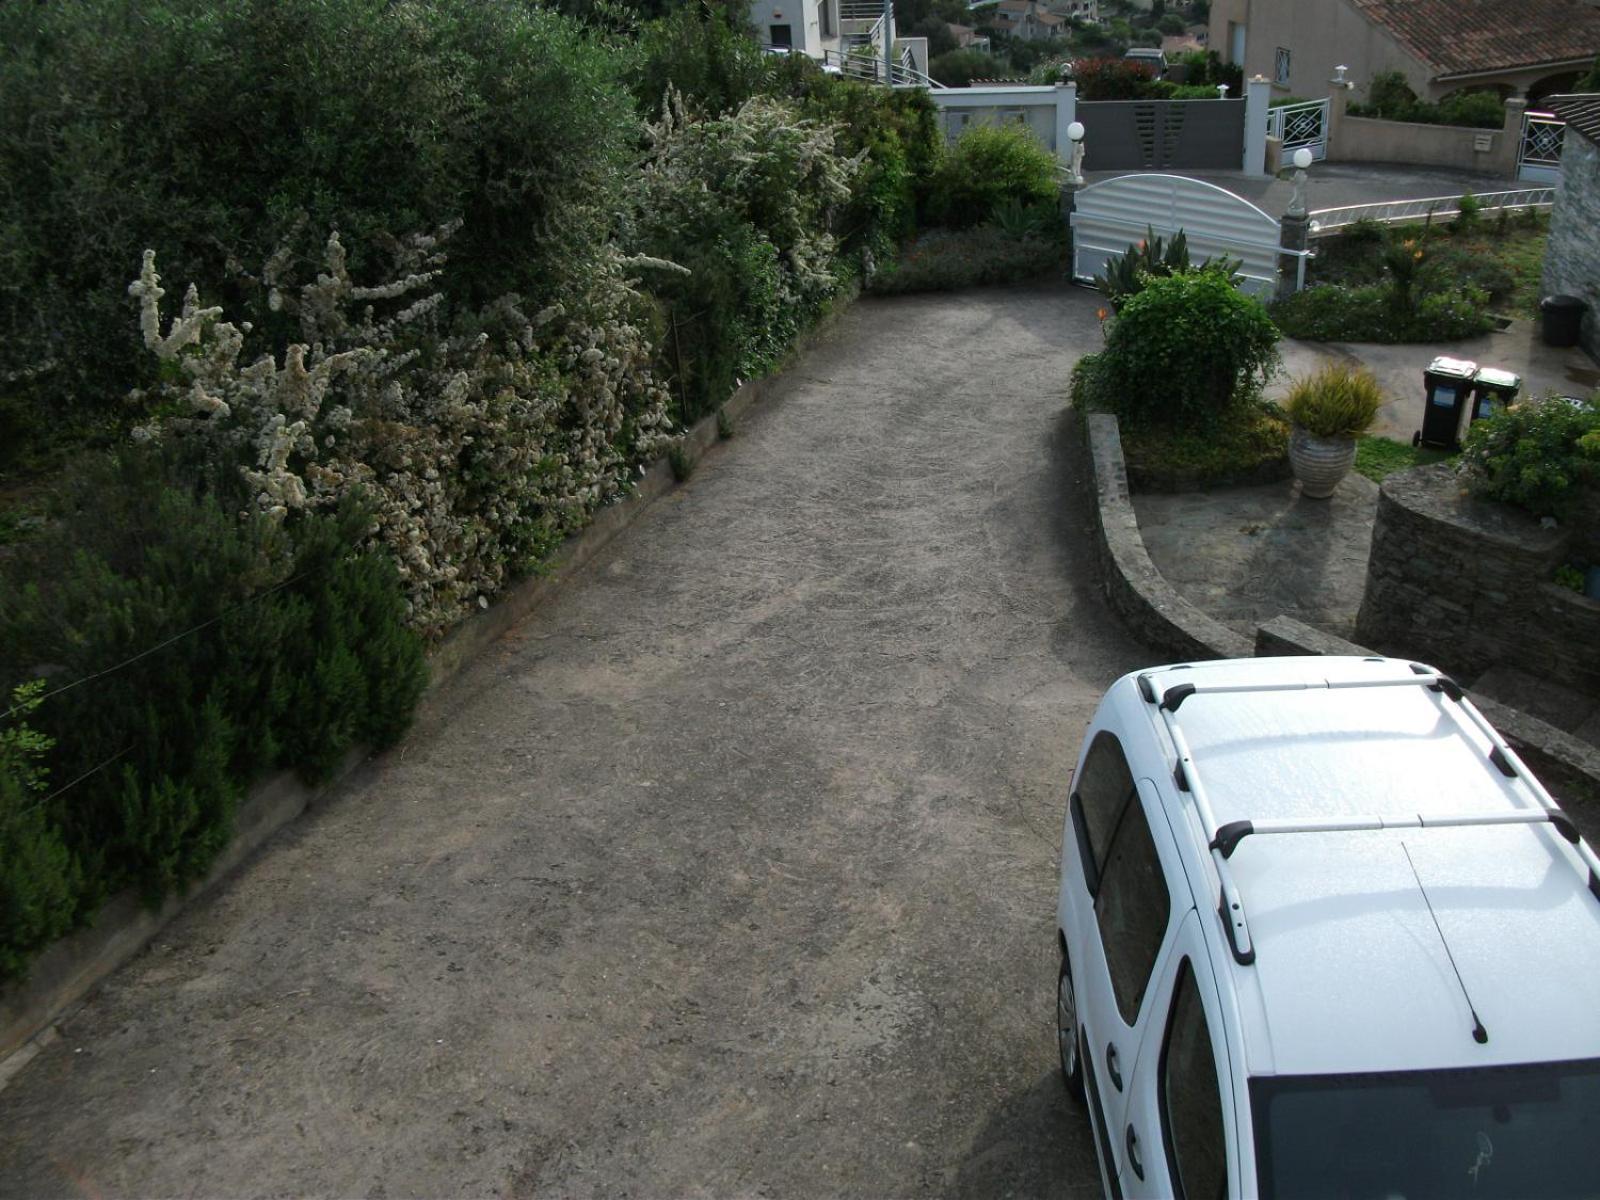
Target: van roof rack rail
1223	840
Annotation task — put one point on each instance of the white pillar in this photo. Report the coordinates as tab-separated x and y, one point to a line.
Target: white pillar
1066	114
1257	94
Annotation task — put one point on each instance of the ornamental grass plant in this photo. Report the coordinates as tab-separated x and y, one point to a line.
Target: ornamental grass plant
1335	401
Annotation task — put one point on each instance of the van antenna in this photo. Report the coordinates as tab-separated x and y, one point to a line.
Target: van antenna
1479	1033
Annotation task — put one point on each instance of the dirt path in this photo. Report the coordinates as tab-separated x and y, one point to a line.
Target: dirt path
732	871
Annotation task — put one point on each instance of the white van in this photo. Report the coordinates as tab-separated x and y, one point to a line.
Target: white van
1324	935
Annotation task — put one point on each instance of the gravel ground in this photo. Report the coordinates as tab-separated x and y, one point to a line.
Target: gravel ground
730	871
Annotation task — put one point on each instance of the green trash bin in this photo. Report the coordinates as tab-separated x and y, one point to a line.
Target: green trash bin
1493	390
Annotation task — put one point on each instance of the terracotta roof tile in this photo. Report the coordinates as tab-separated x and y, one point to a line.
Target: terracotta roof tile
1461	36
1581	111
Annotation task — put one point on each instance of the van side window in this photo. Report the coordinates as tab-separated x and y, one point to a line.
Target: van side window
1191	1100
1132	908
1101	793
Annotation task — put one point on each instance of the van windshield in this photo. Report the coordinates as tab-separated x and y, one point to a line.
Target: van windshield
1516	1133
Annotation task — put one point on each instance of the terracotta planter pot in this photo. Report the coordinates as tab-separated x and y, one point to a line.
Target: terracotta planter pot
1320	463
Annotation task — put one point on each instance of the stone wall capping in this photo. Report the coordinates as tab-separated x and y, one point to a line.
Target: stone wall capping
1135	589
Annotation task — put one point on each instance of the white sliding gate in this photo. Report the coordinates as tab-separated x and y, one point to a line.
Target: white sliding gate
1107	217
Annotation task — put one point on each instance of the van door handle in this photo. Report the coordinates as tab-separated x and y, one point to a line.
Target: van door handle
1132	1142
1111	1065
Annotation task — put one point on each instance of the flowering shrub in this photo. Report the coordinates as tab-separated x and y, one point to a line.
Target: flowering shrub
205	129
747	203
476	451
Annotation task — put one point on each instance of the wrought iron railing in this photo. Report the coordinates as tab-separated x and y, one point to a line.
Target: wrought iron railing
1297	125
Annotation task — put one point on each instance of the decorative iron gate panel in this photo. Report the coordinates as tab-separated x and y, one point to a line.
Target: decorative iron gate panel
1539	156
1297	125
1107	217
1122	135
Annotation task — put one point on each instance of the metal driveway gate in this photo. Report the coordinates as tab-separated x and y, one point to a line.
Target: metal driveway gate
1152	134
1539	156
1107	217
1297	125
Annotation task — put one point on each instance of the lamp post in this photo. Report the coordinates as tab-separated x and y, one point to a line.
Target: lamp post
1075	162
1295	231
1297	201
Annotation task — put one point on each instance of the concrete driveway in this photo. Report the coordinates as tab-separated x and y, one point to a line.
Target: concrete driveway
731	871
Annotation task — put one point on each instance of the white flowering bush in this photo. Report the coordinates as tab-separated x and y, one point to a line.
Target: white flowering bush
749	203
476	447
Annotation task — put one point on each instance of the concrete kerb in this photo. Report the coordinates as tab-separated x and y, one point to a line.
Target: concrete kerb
1137	591
62	977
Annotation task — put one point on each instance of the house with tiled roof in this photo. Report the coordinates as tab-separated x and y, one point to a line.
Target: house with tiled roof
1572	252
1530	48
1028	20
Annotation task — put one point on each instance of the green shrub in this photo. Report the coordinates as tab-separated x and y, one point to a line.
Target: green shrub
987	166
1390	98
208	131
1333	313
1246	448
696	51
895	132
1335	401
944	260
1537	454
1188	351
958	68
208	649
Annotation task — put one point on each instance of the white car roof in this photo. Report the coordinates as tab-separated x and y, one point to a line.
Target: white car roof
1350	973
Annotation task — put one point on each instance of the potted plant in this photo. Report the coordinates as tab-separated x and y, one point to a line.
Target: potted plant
1327	411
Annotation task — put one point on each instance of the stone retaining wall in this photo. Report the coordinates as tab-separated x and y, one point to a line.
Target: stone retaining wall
1135	589
1464	583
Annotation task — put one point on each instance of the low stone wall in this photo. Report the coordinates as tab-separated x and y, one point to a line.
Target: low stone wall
1464	583
1568	768
1135	589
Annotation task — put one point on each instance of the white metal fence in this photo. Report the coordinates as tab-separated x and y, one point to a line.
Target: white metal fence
1297	125
1396	212
1107	217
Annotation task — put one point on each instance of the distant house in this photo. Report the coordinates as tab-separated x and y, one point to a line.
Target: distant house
1082	10
1572	254
1028	20
809	26
968	38
1520	47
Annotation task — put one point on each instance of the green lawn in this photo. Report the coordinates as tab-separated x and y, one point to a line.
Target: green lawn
1378	456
